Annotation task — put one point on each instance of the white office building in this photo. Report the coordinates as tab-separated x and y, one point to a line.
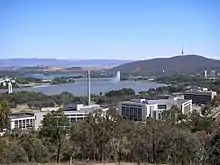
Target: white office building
22	120
79	112
74	113
138	110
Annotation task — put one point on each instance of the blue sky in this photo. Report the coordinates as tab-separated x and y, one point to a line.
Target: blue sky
107	29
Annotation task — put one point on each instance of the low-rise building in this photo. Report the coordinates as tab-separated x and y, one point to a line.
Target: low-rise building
200	96
34	120
171	96
22	120
39	116
138	110
74	113
80	112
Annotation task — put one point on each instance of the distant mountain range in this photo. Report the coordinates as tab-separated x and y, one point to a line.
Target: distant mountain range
22	62
187	63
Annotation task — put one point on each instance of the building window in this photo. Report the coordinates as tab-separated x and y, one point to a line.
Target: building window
80	118
20	124
139	113
127	112
123	111
131	115
72	120
160	115
135	113
154	114
23	124
16	124
162	106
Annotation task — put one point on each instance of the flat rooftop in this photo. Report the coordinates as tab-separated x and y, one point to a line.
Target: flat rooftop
199	92
84	109
158	101
20	115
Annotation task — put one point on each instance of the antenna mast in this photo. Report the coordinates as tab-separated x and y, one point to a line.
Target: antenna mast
88	87
182	50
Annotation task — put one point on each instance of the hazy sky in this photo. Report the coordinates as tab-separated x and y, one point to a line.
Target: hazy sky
121	29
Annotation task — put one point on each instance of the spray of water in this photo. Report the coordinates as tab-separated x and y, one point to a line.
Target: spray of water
118	77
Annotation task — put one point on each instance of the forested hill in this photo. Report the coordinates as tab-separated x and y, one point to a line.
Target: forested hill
187	63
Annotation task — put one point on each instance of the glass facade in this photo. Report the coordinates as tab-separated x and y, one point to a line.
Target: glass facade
138	111
76	117
198	99
187	108
132	112
24	123
162	106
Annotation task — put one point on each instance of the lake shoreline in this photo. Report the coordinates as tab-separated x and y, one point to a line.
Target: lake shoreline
79	88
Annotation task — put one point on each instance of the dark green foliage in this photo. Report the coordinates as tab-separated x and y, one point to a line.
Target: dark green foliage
4	115
34	149
105	136
62	80
214	150
55	127
121	92
16	154
38	100
27	80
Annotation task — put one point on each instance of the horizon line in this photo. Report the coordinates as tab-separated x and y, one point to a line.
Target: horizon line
120	59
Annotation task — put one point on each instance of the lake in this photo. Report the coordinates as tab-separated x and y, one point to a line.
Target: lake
80	87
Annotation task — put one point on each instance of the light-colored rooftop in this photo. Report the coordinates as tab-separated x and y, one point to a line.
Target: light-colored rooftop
158	101
83	109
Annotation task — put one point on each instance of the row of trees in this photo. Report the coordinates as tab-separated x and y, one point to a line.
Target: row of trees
106	137
183	80
38	100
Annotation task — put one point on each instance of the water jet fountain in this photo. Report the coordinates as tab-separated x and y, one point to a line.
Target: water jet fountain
118	77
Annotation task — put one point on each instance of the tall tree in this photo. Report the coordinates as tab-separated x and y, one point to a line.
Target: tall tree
4	115
34	148
173	115
214	149
182	147
55	127
3	148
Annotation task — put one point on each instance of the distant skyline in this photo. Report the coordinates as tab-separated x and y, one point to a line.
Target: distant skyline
109	29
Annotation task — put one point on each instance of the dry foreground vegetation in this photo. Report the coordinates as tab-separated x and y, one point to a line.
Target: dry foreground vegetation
82	163
106	137
102	138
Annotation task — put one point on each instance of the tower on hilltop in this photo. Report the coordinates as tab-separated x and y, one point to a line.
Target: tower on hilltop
182	50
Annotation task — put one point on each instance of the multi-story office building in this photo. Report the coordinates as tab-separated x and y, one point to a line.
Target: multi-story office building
74	113
34	120
80	112
22	120
200	97
138	110
178	96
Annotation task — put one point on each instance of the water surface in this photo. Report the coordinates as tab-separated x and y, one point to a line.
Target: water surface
80	87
